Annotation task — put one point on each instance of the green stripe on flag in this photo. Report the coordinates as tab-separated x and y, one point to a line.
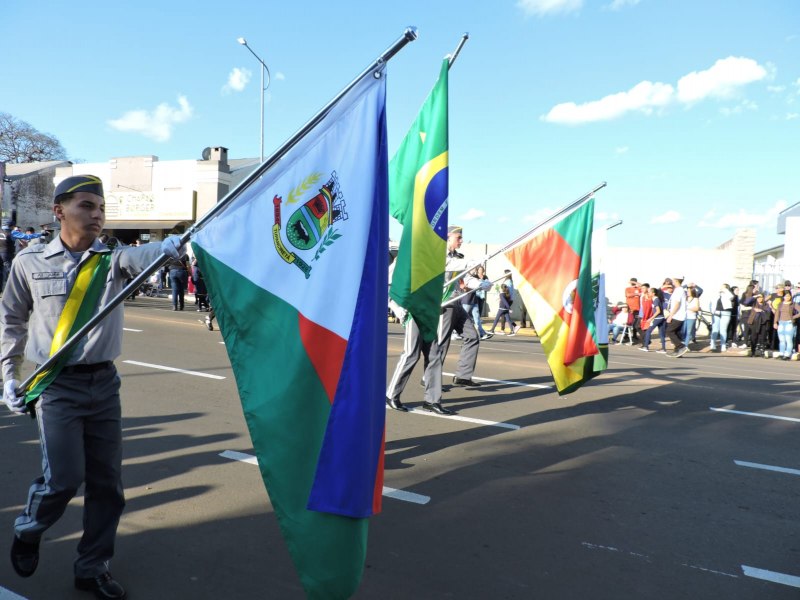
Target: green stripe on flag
286	409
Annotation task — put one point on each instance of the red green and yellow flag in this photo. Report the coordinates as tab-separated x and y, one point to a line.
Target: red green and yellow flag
553	271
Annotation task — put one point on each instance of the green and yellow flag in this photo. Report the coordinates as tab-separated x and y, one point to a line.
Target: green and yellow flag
418	187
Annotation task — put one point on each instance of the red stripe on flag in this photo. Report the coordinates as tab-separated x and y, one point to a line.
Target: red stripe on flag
377	492
326	352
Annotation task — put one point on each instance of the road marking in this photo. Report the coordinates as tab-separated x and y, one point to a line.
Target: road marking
134	330
240	456
387	491
9	595
405	496
782	578
751	414
176	370
640	556
427	413
535	386
742	463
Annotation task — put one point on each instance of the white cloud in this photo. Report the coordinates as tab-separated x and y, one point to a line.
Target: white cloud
237	80
791	116
671	216
621	150
157	124
643	97
776	89
722	80
541	8
620	4
727	111
503	219
279	76
472	214
742	218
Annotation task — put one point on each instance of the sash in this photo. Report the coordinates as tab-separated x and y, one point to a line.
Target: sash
79	308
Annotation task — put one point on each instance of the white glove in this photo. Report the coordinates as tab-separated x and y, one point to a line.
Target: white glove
13	402
171	246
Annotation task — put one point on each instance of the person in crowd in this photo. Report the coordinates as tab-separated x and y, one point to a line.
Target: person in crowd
733	324
77	403
692	308
653	320
784	319
746	302
633	294
503	309
10	240
200	290
506	316
721	309
758	322
178	279
619	323
480	300
676	315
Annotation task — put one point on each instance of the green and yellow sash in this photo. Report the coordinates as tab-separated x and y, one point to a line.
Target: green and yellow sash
79	308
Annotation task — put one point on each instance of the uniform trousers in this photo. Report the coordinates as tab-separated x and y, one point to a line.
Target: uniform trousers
80	431
413	347
453	318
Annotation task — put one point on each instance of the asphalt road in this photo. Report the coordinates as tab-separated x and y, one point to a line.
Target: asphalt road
639	485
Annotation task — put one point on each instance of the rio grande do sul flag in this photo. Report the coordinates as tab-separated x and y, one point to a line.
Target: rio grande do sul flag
418	189
553	271
296	269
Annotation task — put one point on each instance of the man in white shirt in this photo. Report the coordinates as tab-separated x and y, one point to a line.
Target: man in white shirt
676	315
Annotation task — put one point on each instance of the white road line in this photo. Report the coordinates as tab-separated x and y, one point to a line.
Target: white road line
405	496
782	578
743	463
9	595
751	414
134	330
176	370
712	571
387	491
419	411
535	386
240	456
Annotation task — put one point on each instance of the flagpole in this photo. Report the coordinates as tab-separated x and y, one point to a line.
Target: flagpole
567	209
451	300
457	51
374	69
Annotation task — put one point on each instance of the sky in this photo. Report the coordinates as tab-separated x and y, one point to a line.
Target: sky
689	110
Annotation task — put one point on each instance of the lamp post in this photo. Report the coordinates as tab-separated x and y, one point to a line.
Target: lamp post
264	69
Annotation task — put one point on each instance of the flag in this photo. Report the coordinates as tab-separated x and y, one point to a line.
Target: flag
296	268
418	184
554	274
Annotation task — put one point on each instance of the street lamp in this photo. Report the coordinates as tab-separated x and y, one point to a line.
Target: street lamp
264	68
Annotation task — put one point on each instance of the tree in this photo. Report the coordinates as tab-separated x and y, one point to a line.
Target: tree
20	142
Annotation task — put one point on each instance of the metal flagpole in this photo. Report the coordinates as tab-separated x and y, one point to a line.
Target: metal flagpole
457	51
451	300
569	208
409	35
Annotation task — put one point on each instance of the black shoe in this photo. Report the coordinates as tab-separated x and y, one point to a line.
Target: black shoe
103	586
174	308
437	408
395	404
465	382
24	557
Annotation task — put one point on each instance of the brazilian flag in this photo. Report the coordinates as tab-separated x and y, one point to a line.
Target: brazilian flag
418	183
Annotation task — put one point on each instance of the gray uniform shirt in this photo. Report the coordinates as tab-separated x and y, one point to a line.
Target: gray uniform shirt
38	286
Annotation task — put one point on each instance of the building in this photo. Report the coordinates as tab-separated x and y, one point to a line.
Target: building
146	198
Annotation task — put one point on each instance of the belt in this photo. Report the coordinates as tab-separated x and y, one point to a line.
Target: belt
90	368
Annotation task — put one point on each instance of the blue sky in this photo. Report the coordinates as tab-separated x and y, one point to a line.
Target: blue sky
690	110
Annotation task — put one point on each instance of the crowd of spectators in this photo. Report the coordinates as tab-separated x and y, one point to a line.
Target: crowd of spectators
753	322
